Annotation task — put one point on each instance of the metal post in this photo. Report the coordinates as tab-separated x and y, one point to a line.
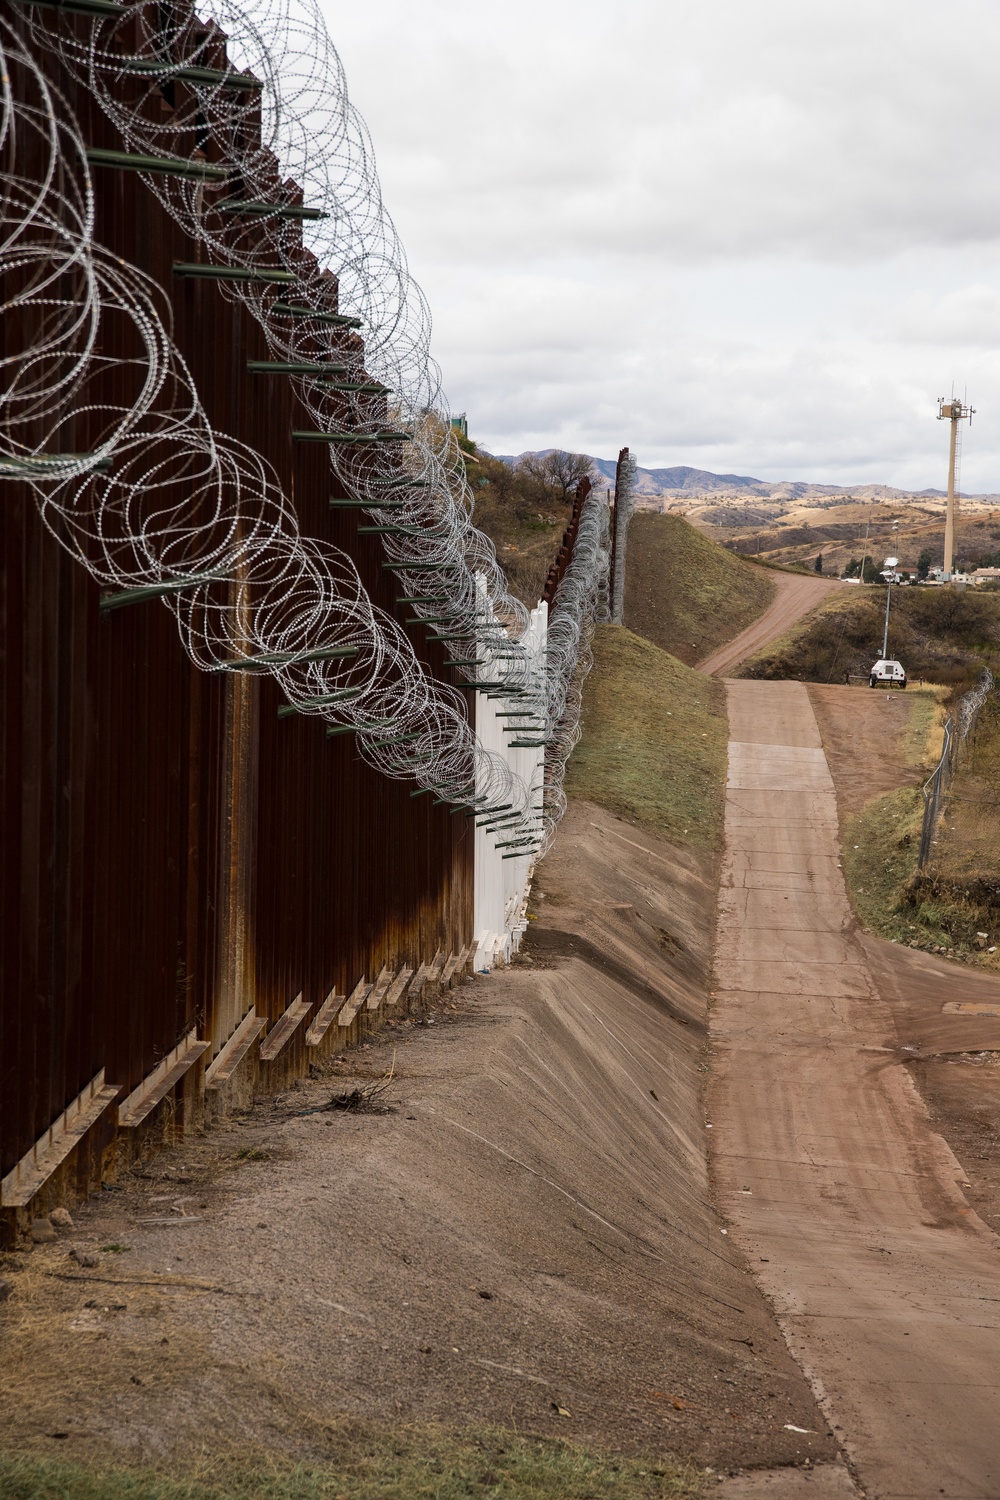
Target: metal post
885	633
949	523
624	504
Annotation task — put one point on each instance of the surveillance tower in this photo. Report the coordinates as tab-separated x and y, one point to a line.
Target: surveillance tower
952	410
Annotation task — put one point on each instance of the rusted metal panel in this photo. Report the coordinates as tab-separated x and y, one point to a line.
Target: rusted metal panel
565	554
174	854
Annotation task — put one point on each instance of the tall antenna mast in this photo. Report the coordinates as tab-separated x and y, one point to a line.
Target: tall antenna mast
952	411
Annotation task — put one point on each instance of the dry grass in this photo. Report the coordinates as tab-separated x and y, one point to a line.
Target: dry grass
654	740
57	1347
880	855
364	1462
70	1380
684	592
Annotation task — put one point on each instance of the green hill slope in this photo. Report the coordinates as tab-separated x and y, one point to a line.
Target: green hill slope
684	592
654	740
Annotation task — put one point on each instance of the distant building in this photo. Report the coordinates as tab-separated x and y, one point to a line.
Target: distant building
461	424
986	575
937	575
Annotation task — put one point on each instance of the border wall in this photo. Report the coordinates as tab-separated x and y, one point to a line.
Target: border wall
177	858
204	890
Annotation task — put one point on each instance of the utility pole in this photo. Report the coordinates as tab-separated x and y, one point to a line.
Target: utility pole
954	412
887	574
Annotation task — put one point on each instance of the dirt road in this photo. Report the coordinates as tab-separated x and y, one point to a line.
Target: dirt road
847	1203
796	596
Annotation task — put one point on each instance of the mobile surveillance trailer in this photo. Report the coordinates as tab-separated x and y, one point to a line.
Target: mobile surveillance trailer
887	673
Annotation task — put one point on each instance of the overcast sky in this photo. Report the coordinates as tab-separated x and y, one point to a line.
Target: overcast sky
756	238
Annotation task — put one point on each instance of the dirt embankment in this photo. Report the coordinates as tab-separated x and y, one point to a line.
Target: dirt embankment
525	1240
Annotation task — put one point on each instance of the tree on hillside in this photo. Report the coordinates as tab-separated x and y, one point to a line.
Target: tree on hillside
924	563
818	564
566	471
870	571
552	476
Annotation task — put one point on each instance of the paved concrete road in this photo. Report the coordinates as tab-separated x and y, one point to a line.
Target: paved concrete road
846	1202
796	596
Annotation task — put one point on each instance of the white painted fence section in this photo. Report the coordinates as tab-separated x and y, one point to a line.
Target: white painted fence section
502	884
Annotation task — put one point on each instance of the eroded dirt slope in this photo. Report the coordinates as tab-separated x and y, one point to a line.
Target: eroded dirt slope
526	1239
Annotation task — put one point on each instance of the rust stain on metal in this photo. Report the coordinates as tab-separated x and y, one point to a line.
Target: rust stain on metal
175	854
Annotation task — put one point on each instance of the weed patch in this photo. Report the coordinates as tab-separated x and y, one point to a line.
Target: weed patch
881	846
367	1463
943	913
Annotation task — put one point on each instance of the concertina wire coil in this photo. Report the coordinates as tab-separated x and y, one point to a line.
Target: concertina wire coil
163	499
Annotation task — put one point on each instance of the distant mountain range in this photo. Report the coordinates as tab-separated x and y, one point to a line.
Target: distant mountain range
683	482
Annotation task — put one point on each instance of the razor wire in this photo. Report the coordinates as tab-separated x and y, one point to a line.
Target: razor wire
182	504
572	618
296	146
248	591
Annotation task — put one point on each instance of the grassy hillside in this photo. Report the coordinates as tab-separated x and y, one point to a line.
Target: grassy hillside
942	635
838	532
654	740
684	592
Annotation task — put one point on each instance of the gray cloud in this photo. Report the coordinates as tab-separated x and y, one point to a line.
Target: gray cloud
759	238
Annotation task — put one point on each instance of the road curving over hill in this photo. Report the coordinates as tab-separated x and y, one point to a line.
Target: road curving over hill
797	595
848	1205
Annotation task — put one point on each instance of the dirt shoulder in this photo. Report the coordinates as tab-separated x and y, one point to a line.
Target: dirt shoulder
875	742
945	1017
525	1240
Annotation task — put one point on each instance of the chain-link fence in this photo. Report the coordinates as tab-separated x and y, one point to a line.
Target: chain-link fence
959	726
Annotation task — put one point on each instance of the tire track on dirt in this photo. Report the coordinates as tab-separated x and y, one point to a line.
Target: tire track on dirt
847	1203
796	596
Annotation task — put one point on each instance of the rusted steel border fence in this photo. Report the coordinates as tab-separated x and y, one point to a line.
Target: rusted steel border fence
204	889
564	556
624	505
199	894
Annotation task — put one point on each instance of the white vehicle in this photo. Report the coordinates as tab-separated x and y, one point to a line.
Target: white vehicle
887	673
